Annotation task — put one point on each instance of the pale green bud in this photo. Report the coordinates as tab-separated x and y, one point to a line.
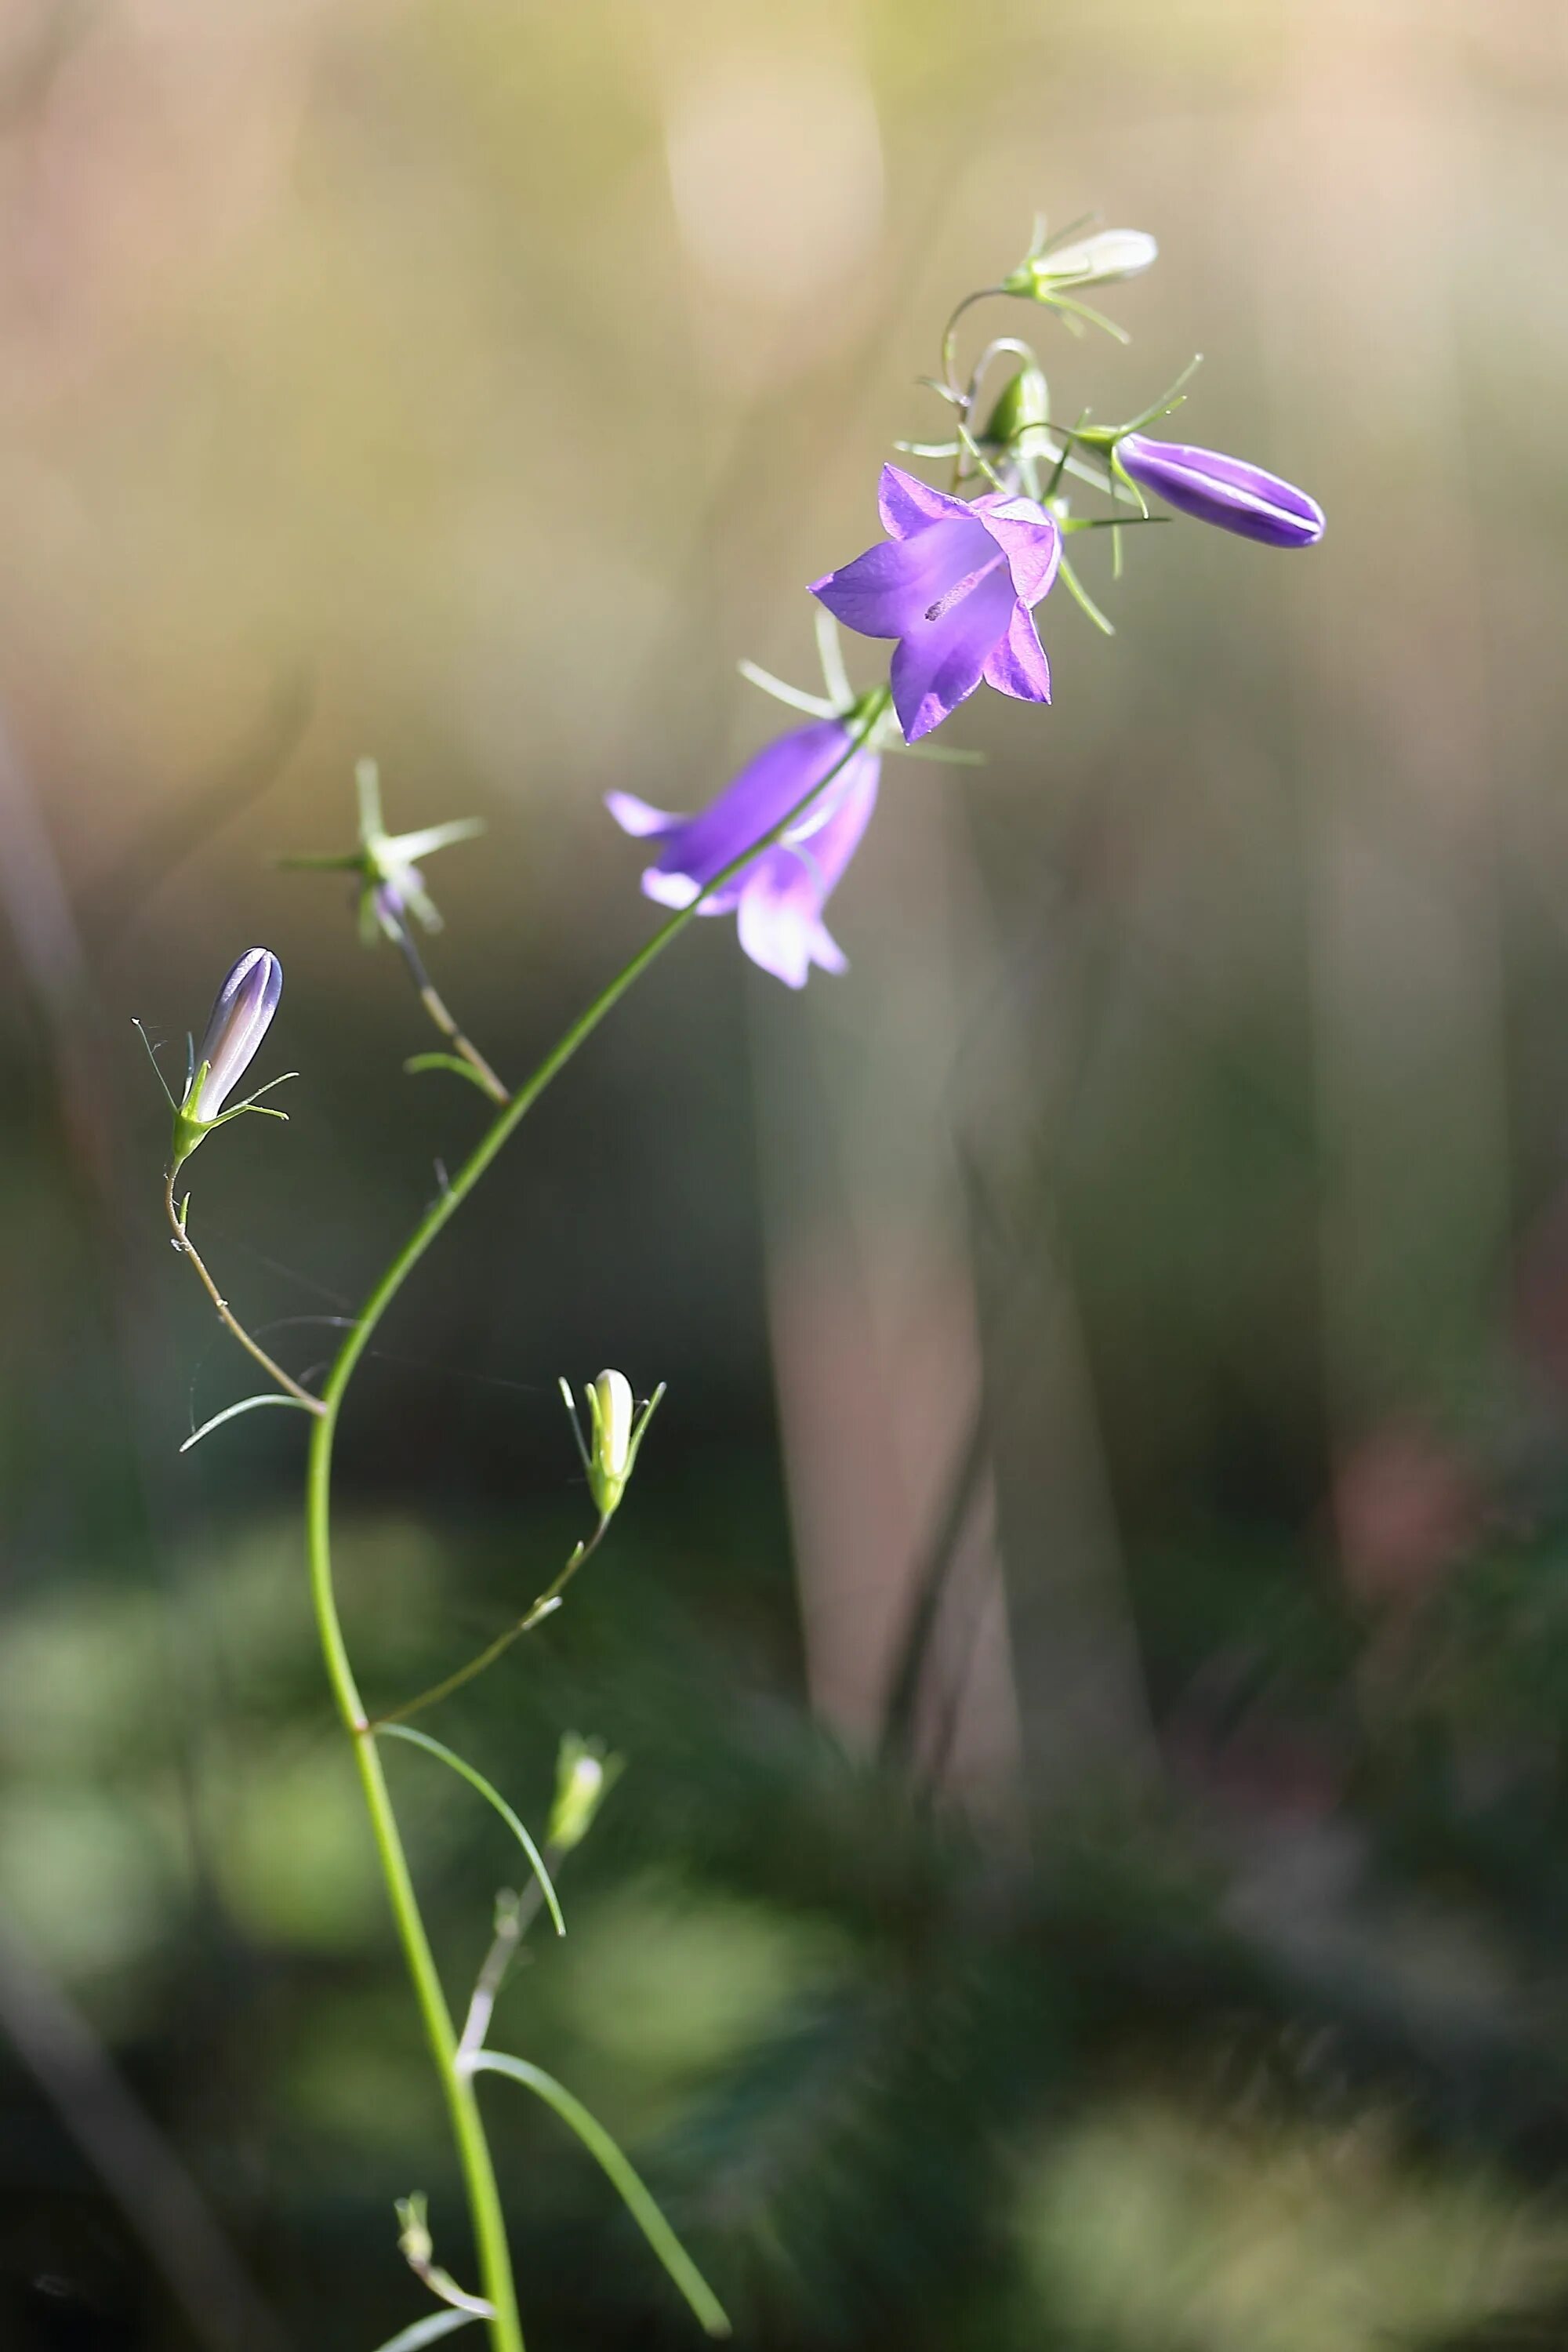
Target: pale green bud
414	2243
616	1430
1099	260
584	1776
1023	408
610	1408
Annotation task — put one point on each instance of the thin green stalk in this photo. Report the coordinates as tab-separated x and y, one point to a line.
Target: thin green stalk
468	2128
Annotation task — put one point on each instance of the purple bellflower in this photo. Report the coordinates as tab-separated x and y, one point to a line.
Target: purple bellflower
778	897
954	582
1223	490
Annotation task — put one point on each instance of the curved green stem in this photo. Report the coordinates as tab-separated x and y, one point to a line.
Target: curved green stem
468	2128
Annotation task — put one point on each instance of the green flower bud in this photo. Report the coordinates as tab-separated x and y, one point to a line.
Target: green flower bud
1023	408
616	1431
1097	260
584	1776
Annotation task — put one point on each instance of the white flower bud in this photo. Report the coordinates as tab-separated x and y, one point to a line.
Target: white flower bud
616	1430
1097	260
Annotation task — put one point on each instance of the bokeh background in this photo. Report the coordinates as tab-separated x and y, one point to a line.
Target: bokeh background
1090	1636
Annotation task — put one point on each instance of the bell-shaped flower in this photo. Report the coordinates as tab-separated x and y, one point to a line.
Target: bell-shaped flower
240	1018
778	896
953	581
1223	490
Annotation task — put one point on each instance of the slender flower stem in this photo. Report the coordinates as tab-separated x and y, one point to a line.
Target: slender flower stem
230	1322
539	1608
468	2126
435	1005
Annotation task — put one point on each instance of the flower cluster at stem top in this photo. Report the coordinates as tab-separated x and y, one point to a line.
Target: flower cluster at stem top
954	584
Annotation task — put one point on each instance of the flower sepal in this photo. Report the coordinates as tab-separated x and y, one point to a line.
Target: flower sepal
392	885
189	1131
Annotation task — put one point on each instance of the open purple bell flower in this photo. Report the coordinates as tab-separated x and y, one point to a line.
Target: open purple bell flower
778	897
1222	491
954	582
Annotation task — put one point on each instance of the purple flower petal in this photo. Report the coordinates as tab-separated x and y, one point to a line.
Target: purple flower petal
942	657
780	893
907	505
946	582
1030	539
778	917
236	1027
1017	664
1223	490
886	591
636	818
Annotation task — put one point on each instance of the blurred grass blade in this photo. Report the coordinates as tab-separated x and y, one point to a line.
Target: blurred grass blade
478	1780
418	1062
428	2331
709	2311
245	1404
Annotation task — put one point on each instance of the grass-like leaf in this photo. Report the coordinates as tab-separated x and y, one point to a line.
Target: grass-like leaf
709	2311
418	1062
428	2331
478	1780
245	1404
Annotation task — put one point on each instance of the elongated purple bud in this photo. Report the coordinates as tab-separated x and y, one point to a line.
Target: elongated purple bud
1222	491
246	1004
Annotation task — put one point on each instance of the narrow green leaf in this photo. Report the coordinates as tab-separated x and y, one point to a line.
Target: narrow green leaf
830	654
1082	598
446	1062
478	1780
428	2331
709	2311
245	1404
795	696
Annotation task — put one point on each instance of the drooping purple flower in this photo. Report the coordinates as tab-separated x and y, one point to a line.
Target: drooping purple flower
244	1008
953	580
778	897
1223	490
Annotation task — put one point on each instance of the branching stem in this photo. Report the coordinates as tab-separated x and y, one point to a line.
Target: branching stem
435	1006
539	1608
456	2078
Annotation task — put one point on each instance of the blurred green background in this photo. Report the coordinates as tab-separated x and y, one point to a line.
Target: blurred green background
1089	1634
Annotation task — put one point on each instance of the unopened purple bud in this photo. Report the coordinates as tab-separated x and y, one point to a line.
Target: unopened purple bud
1223	490
246	1004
